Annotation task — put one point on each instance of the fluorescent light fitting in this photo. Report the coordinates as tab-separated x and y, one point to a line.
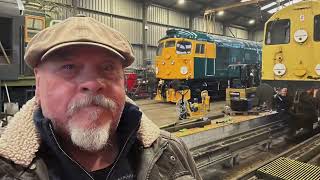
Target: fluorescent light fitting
284	5
181	1
271	11
220	13
271	4
251	21
292	2
268	6
245	0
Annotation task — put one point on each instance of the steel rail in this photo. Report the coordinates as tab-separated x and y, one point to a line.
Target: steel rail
226	150
304	152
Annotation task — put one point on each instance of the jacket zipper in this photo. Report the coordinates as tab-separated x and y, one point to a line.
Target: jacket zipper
125	144
113	166
55	139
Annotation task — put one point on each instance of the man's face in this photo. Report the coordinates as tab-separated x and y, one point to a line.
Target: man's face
81	90
284	92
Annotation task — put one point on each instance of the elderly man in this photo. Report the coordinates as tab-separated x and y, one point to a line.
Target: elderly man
79	125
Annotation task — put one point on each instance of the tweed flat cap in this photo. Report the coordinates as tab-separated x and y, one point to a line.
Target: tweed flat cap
78	30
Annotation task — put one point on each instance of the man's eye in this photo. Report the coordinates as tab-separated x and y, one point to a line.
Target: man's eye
108	68
68	67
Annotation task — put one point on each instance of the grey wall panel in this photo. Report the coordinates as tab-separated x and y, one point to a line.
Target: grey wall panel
138	54
102	18
165	16
128	8
218	28
131	29
157	15
61	13
178	19
200	24
69	2
230	31
238	33
103	6
97	5
155	33
242	34
258	36
152	54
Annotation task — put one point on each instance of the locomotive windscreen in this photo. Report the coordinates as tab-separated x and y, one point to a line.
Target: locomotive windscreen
317	28
278	32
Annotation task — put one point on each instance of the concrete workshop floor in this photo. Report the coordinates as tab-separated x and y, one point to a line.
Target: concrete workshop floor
164	114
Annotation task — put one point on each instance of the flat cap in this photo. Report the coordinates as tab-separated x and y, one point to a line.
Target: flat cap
78	30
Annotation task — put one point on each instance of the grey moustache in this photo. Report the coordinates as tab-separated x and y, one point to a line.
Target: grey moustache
98	100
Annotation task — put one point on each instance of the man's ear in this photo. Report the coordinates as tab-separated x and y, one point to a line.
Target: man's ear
37	91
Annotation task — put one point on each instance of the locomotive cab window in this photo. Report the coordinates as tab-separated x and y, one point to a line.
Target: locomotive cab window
183	47
317	28
200	48
34	24
159	49
170	44
278	32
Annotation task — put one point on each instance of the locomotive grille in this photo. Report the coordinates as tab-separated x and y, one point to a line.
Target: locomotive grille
283	168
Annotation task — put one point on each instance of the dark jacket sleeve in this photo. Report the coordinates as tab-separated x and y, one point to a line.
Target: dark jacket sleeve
184	155
35	171
190	160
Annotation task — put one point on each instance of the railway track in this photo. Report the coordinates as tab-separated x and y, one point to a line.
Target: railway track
226	152
307	151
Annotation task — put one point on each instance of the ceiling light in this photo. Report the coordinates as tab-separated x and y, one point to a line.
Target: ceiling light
245	0
284	5
275	9
181	1
220	13
251	21
271	4
268	6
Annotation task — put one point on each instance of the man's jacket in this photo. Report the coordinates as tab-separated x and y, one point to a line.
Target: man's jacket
158	155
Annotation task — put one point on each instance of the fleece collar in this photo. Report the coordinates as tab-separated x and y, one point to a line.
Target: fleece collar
21	140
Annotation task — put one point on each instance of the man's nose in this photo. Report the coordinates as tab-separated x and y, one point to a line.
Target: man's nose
92	86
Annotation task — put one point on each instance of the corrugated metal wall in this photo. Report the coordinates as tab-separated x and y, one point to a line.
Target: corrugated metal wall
258	36
155	33
61	13
200	24
131	29
238	33
126	16
69	2
157	15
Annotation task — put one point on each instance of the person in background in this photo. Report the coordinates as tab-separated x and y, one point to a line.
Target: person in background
282	103
80	124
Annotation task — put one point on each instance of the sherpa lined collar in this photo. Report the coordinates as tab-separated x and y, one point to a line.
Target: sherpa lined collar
20	140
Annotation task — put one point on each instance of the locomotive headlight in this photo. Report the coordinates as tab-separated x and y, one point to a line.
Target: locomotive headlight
300	36
317	69
183	70
157	70
279	69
